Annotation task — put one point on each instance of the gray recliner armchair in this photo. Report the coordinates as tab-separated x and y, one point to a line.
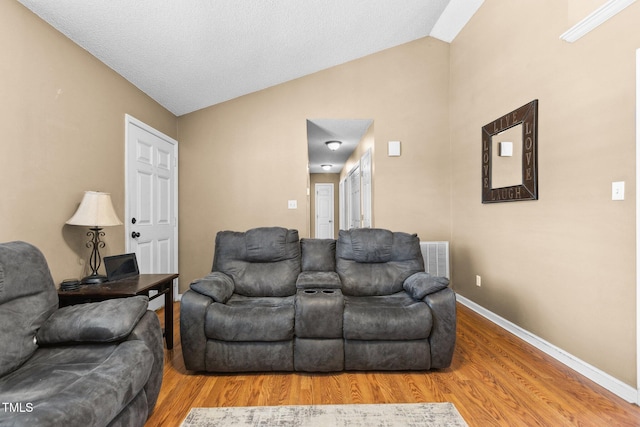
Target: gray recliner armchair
97	364
241	316
396	316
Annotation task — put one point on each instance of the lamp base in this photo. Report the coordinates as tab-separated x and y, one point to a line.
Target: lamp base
94	279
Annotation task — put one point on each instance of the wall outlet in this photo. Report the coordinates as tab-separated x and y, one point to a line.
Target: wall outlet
478	280
292	204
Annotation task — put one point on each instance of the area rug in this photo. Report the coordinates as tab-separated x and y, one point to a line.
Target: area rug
387	415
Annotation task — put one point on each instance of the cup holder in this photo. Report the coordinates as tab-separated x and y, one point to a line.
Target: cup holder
319	291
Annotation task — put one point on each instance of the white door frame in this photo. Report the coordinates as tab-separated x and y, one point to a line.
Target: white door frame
354	173
129	121
638	226
366	178
342	204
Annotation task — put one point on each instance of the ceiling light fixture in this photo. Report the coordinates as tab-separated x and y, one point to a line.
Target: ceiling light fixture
326	167
333	145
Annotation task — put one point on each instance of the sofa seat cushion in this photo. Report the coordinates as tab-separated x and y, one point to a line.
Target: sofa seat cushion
251	319
391	317
76	385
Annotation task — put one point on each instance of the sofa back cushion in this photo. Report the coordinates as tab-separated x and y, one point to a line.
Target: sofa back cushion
318	254
373	261
27	298
263	262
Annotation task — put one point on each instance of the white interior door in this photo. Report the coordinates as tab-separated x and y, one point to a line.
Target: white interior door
151	200
324	211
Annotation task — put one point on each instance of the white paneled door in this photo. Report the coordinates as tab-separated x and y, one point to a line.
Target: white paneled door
151	199
324	211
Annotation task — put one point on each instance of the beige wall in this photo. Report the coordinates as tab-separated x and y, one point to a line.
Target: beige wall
62	123
561	267
577	10
243	159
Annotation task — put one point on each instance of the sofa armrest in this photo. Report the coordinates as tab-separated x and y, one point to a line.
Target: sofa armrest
216	285
318	279
419	285
149	331
105	321
193	312
443	332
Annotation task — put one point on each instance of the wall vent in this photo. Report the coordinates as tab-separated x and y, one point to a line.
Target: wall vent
436	258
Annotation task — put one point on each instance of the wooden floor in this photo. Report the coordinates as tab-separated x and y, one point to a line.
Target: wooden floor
495	379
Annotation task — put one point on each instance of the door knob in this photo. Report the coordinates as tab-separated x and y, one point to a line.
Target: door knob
135	235
133	220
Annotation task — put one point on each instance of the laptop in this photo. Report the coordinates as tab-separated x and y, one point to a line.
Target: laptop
121	266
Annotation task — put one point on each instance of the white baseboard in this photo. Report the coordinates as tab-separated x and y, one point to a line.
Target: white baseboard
596	375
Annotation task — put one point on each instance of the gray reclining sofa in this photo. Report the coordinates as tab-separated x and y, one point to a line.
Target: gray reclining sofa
274	302
97	364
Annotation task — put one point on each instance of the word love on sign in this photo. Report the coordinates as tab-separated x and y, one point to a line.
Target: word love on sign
527	116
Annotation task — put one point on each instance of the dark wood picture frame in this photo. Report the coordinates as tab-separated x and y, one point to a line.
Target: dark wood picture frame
527	116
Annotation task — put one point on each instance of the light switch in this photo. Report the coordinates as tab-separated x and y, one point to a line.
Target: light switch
617	190
293	204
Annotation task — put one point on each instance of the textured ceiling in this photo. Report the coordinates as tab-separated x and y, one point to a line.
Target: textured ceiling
190	54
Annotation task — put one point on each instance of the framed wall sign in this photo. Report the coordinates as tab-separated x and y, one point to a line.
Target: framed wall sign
510	156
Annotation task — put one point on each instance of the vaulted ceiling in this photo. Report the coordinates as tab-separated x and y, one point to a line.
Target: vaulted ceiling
190	54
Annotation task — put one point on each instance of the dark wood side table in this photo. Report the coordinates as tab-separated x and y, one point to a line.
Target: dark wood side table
131	286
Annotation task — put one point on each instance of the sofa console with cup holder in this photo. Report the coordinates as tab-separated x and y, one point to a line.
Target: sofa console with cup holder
274	302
